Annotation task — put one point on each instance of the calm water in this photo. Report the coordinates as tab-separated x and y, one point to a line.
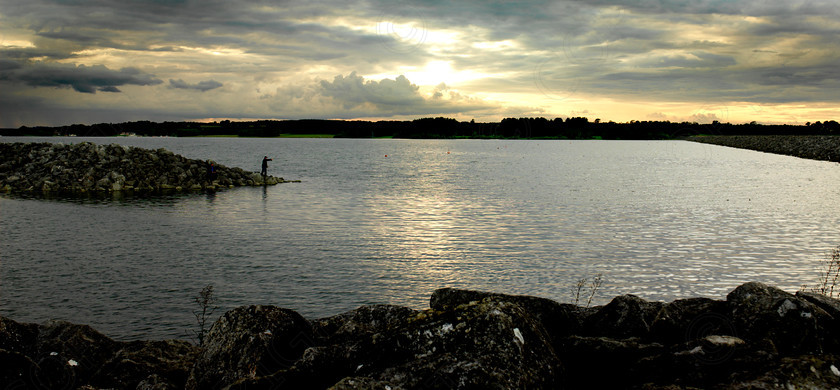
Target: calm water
661	219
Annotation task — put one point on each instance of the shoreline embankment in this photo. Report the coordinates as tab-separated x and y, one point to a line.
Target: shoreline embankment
759	337
88	168
814	147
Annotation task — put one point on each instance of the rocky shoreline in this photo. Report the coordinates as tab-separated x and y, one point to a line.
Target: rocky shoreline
815	147
759	337
88	168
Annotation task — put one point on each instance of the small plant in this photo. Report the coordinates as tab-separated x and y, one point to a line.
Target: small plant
830	275
593	286
206	302
581	283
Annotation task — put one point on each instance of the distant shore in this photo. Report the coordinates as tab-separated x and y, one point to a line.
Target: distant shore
814	147
430	128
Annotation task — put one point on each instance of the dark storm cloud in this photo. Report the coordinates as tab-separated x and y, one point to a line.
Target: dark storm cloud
8	65
25	53
85	79
202	86
728	7
758	85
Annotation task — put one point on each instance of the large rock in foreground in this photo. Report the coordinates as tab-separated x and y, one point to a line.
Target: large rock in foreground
760	337
486	345
61	355
91	168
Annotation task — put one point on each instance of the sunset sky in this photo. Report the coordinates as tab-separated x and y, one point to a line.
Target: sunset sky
91	61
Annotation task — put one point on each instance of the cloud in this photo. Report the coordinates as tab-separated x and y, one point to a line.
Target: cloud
689	60
353	96
353	91
81	78
202	86
703	117
280	59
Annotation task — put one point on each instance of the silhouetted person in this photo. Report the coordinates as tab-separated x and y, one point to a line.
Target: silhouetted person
265	166
211	172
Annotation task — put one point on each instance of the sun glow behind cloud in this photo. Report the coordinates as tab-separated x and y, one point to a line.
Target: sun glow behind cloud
735	61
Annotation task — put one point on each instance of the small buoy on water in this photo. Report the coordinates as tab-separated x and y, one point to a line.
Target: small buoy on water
386	155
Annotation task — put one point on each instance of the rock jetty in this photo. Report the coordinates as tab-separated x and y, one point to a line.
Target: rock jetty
90	168
759	337
815	147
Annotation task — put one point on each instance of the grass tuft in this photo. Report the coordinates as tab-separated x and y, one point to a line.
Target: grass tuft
830	275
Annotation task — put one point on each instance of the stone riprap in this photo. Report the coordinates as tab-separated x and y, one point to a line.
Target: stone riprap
815	147
91	168
759	337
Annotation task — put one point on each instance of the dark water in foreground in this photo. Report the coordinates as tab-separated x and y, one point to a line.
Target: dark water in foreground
660	219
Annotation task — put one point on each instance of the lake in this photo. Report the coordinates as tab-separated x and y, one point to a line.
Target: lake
389	221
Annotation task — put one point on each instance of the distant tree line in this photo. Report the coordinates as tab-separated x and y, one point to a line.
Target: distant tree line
529	128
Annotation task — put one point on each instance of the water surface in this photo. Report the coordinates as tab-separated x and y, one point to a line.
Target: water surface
659	219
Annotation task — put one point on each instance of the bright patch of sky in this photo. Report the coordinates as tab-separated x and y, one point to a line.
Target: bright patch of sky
95	61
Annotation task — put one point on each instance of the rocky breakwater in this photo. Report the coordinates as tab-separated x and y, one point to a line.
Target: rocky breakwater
91	168
759	337
815	147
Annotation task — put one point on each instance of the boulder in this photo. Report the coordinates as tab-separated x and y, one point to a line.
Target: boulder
603	363
625	316
163	364
17	371
793	324
61	355
690	319
796	372
18	337
489	344
558	319
248	342
70	354
759	337
366	320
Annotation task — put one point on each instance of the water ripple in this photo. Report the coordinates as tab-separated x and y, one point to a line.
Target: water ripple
659	220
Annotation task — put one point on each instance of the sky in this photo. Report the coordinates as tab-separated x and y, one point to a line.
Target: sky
92	61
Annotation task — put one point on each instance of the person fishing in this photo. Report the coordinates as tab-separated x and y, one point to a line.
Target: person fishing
211	172
264	171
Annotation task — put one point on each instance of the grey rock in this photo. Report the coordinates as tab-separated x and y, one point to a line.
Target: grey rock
160	364
17	371
625	316
485	345
61	355
760	337
795	372
685	320
248	342
793	324
366	320
816	147
18	337
71	353
86	167
557	318
604	363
